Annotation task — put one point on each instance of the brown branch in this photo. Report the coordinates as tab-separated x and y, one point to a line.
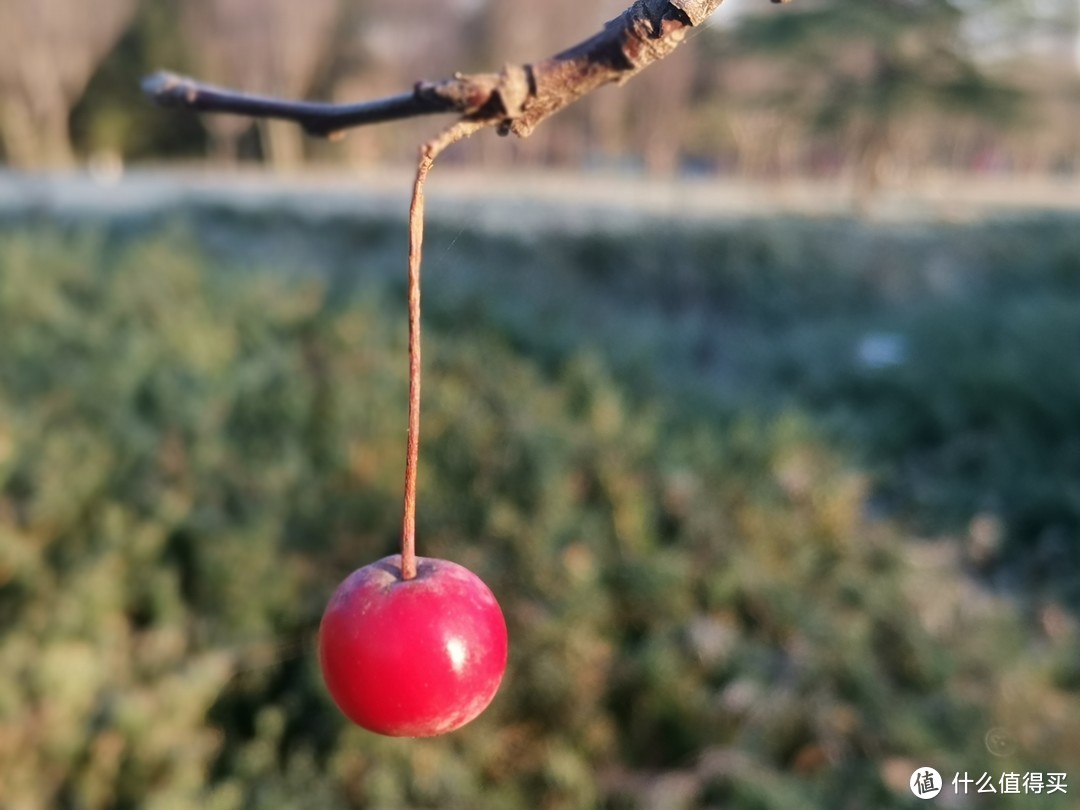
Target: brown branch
514	100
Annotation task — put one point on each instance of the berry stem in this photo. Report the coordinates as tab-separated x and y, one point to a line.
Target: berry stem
412	450
428	152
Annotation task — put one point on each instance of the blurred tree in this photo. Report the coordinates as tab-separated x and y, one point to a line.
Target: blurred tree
862	68
48	52
113	117
1076	36
382	50
658	111
263	46
858	87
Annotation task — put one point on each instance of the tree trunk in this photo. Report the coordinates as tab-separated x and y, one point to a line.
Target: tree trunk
225	148
283	144
56	147
869	167
17	132
36	138
1076	39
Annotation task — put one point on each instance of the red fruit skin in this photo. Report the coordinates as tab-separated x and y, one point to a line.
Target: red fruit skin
412	658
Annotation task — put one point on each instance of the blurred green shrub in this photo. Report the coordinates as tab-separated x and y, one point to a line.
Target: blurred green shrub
702	612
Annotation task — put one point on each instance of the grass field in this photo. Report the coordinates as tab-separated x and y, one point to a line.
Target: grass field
779	508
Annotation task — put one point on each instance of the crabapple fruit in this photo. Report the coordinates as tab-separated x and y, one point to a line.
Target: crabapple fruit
412	657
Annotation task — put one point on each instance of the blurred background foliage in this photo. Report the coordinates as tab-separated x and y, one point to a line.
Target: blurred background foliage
778	509
769	532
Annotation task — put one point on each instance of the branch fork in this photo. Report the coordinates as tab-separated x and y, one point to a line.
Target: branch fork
514	100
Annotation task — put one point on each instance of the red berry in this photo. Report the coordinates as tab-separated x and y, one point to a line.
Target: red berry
416	657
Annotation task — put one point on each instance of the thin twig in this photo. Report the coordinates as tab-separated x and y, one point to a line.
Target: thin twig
326	120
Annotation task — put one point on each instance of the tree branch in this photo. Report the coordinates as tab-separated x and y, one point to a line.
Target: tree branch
514	100
326	120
